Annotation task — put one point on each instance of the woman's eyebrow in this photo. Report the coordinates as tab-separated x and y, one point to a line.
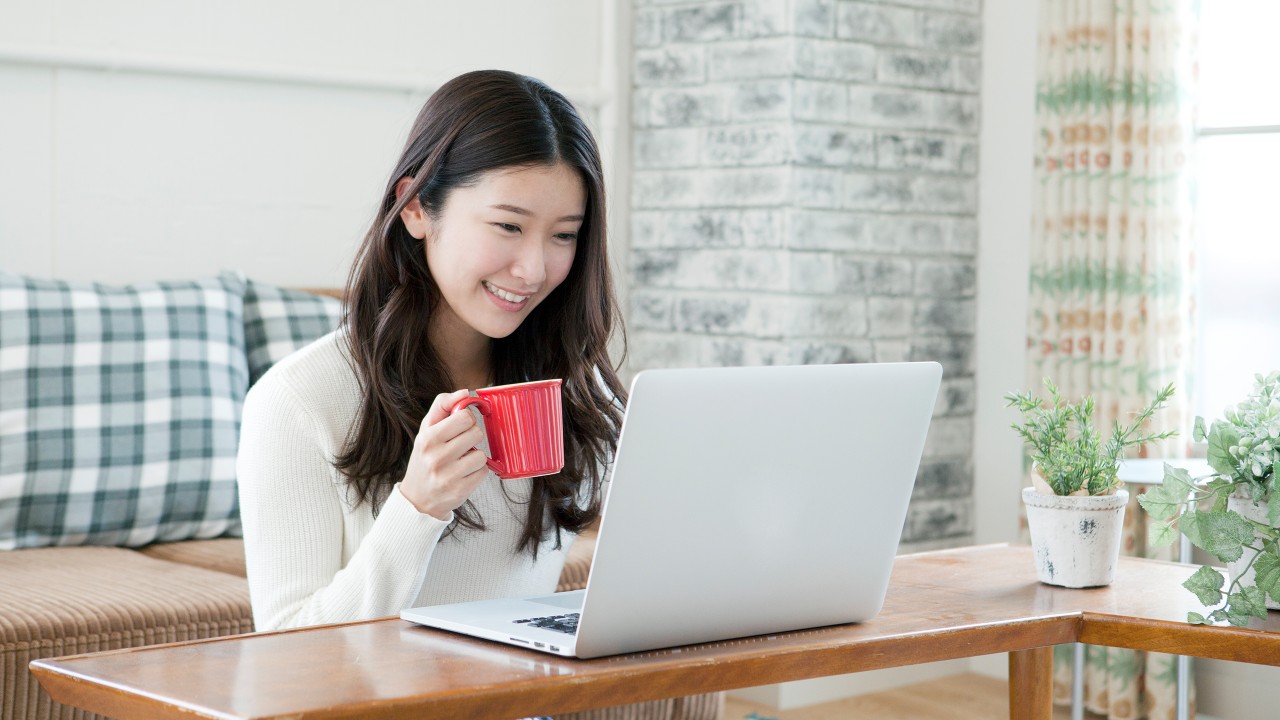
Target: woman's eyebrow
521	211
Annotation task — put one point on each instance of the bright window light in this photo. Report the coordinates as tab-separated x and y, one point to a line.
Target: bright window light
1237	198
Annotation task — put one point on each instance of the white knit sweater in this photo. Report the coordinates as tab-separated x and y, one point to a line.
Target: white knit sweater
313	559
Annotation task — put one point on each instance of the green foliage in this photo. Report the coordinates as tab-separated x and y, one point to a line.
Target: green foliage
1160	535
1248	602
1066	447
1244	452
1221	438
1206	583
1160	504
1179	482
1223	535
1267	567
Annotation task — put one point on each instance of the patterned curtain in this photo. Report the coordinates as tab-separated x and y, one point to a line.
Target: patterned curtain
1110	255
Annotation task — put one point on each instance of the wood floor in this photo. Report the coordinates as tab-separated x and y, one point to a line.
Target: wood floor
958	697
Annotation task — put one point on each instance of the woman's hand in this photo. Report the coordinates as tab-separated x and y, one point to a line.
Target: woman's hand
445	466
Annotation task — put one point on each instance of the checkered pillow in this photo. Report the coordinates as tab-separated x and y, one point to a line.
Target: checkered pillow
119	411
279	321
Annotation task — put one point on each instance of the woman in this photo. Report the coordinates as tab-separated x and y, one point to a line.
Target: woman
486	265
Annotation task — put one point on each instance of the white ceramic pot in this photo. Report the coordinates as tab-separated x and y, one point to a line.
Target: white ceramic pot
1076	539
1257	513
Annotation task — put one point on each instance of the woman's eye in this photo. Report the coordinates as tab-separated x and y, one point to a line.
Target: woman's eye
567	237
508	227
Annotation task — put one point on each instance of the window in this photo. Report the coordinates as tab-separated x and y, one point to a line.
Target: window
1237	201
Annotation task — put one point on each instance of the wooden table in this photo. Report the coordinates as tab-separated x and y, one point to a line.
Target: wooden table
941	605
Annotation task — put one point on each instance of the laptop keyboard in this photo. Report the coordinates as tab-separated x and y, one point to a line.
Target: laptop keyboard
567	623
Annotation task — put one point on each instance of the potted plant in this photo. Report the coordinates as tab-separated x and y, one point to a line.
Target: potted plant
1233	513
1075	507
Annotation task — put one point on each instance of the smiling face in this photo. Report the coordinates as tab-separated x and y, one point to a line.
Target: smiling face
499	247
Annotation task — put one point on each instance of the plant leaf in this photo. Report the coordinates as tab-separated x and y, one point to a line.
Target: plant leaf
1160	534
1197	431
1220	499
1249	603
1160	503
1254	492
1206	584
1221	437
1221	534
1267	567
1189	523
1273	509
1196	618
1178	481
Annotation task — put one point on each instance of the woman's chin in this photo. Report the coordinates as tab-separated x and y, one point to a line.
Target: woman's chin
498	331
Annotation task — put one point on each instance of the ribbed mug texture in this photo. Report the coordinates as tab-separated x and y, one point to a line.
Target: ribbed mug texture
525	429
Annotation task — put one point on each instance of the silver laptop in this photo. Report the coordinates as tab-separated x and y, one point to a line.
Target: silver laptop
743	501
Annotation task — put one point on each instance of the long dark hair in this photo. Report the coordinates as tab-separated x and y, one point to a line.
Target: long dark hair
476	123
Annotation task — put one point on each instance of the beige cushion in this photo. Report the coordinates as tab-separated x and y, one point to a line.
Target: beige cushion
225	555
71	600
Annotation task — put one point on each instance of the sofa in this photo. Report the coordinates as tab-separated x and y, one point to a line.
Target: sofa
119	418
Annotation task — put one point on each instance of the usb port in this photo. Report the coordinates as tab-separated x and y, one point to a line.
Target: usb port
555	649
538	644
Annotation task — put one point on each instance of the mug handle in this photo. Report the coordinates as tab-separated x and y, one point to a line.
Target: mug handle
483	405
486	409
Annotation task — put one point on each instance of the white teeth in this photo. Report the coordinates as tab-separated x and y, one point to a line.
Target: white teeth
509	297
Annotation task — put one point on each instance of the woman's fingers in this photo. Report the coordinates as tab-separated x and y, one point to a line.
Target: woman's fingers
449	427
441	405
445	467
466	440
477	461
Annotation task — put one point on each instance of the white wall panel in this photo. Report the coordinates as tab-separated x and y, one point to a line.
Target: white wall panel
26	21
170	177
1004	218
26	146
435	39
147	171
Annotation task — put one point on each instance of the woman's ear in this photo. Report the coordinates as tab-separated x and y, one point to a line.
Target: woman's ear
414	217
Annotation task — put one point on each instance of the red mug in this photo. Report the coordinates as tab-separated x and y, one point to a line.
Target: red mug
523	426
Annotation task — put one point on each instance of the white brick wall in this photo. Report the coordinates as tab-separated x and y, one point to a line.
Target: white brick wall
804	191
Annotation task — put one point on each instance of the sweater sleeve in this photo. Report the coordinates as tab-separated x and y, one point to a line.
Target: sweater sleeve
291	506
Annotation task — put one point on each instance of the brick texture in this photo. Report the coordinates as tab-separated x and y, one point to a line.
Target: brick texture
804	191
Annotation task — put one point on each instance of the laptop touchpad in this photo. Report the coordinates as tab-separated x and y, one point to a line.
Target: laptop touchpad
567	600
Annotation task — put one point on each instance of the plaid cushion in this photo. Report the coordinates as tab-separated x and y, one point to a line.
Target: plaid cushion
279	321
119	411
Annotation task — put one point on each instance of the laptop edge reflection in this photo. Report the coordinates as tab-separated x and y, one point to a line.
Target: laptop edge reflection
743	501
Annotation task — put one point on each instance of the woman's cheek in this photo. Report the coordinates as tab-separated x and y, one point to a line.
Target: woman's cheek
563	264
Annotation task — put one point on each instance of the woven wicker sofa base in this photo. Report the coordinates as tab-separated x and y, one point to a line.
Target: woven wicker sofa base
71	600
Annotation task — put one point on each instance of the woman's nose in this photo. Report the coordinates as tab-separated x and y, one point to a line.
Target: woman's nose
530	263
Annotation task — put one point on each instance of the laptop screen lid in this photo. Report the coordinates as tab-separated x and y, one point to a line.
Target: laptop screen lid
754	500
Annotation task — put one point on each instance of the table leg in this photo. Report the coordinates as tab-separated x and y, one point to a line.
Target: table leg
1031	684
